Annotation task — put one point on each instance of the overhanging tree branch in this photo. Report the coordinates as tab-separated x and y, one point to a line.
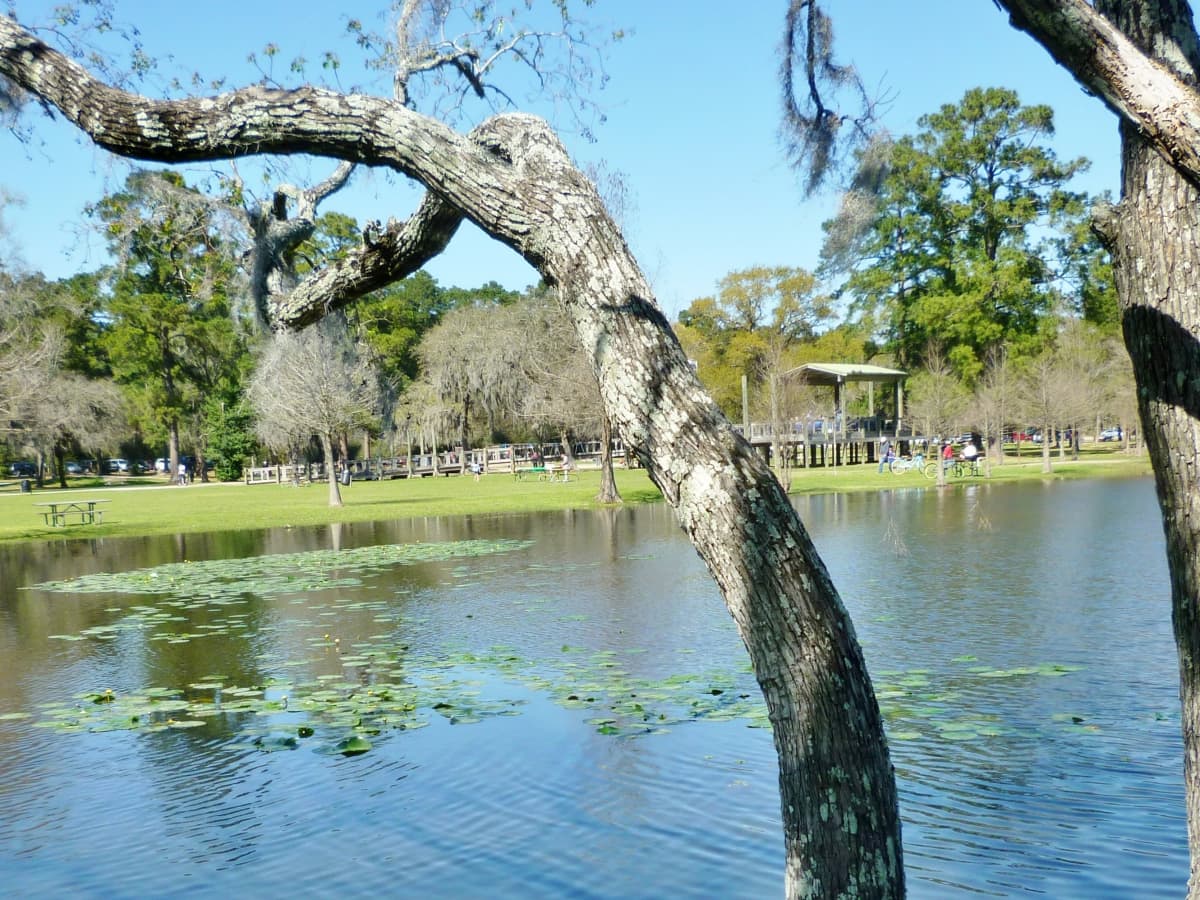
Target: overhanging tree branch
1140	90
396	252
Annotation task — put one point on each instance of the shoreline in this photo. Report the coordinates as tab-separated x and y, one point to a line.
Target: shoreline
153	507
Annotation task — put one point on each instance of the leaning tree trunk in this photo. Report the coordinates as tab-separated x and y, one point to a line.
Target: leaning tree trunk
514	179
1154	237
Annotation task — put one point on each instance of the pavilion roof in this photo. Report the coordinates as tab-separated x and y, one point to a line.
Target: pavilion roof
836	373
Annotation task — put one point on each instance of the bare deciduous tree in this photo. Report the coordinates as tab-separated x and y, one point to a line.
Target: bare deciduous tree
937	398
75	410
469	360
316	382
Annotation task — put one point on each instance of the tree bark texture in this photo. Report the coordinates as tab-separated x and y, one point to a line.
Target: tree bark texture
514	179
1143	61
1156	252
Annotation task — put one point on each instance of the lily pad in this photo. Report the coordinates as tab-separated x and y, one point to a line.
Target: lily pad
352	746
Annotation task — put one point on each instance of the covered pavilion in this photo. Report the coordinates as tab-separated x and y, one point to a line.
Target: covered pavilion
859	439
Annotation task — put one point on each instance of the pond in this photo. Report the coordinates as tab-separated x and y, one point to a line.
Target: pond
558	705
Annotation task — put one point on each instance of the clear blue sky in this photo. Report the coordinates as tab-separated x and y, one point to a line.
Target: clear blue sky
692	112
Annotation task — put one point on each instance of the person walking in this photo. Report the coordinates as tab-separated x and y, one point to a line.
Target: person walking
885	454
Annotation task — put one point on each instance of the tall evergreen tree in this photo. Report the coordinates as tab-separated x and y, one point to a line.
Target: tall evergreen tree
169	335
957	253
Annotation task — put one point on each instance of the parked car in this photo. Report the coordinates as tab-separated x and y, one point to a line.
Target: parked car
115	466
23	469
74	468
1111	434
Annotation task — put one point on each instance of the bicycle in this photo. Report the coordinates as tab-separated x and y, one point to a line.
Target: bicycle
958	468
903	464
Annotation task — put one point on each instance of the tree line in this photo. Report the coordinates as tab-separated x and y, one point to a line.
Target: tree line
961	255
969	264
162	352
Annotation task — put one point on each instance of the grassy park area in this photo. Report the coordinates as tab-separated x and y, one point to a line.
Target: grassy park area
150	506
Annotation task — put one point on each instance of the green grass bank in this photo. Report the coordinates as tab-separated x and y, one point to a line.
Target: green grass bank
150	506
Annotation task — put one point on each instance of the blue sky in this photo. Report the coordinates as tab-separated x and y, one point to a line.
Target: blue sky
692	112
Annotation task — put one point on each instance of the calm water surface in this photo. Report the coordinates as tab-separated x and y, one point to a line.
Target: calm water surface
1019	638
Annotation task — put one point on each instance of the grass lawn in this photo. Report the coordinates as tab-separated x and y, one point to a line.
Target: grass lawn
141	506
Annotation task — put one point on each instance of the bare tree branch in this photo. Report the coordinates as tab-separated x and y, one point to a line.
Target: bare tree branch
386	256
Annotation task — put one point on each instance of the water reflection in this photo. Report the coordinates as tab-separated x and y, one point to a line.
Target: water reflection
1014	779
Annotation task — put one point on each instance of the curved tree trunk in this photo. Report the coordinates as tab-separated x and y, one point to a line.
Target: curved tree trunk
514	179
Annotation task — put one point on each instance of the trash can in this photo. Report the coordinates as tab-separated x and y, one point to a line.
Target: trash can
26	487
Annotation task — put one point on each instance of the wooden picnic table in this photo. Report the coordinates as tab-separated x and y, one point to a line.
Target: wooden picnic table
60	513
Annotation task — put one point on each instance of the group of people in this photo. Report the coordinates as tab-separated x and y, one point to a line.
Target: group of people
969	454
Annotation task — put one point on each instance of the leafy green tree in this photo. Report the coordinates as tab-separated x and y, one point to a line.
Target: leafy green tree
1091	290
334	235
956	252
750	327
229	434
170	336
53	396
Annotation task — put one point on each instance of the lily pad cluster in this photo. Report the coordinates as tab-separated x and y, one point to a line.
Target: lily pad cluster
290	573
385	686
919	703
